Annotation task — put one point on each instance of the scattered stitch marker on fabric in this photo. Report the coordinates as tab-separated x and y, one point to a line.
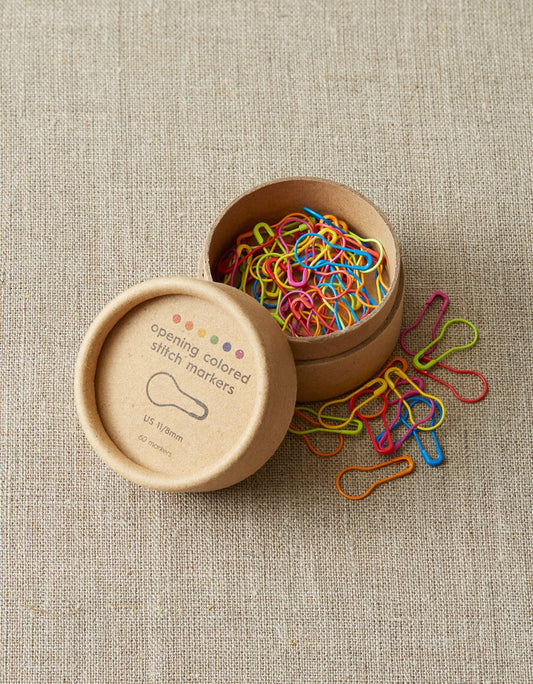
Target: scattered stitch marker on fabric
395	388
421	364
313	273
428	349
401	473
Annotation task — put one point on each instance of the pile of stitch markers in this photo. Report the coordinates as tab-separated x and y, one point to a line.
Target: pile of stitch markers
406	413
316	276
312	272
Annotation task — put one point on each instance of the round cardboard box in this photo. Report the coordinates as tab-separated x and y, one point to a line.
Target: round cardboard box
271	201
185	385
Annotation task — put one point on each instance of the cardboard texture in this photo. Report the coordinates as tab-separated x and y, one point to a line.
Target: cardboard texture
349	358
185	385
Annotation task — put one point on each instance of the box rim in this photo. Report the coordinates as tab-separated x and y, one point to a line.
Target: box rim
299	344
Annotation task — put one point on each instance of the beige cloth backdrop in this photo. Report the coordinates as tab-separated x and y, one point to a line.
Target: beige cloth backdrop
125	129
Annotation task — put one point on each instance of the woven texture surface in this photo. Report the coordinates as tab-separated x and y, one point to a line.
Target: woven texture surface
125	129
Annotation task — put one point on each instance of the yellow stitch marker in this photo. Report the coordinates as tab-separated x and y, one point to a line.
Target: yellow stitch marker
381	388
394	370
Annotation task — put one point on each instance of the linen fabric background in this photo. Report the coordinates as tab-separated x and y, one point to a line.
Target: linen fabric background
126	128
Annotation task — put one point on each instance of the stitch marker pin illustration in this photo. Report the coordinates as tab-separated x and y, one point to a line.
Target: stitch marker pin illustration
163	390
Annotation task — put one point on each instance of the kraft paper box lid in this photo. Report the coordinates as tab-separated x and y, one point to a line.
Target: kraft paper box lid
185	385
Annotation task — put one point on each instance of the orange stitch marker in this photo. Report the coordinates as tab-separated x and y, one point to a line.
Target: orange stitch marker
323	454
397	459
307	440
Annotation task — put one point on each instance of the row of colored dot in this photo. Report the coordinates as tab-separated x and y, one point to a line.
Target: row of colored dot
201	332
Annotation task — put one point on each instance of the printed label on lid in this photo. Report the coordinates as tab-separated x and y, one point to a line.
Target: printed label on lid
176	384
